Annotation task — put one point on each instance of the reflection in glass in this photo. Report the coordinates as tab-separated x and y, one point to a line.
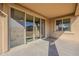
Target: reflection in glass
42	28
29	28
66	24
58	25
16	26
37	28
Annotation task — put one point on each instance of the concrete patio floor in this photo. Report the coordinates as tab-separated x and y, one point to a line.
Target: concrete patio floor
35	48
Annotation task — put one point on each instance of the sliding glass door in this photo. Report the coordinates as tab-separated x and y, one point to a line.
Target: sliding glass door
32	28
42	28
29	28
16	28
37	28
24	29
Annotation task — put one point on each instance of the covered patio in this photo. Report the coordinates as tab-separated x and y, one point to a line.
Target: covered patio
45	47
39	29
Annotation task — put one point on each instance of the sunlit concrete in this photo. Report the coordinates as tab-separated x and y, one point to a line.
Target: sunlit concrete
35	48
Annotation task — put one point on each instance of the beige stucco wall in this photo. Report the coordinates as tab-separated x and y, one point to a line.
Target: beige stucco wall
3	31
77	10
0	31
3	34
67	42
0	34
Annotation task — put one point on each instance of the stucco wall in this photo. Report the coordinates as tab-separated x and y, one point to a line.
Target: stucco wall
0	31
67	42
3	34
3	30
77	10
0	34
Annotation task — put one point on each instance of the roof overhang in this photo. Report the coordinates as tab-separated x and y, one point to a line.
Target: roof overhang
51	10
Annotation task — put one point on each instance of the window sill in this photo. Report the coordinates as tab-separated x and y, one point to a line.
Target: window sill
68	32
65	32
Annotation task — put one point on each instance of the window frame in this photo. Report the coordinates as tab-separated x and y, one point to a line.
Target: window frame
62	19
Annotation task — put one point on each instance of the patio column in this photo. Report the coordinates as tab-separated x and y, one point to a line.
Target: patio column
3	30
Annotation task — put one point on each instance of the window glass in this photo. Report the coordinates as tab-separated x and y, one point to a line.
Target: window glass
16	26
42	28
58	25
18	16
66	25
37	27
63	25
29	28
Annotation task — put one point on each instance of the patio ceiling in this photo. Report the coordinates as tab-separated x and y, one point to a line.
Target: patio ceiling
51	10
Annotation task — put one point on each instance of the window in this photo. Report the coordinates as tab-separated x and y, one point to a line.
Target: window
66	25
63	25
59	25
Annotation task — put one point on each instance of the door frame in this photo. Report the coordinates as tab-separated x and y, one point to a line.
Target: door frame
14	7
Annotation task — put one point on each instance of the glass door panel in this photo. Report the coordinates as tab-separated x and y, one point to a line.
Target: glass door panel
37	28
16	28
42	28
29	28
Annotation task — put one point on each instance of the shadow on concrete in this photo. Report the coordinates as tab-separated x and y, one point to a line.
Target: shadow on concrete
52	50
